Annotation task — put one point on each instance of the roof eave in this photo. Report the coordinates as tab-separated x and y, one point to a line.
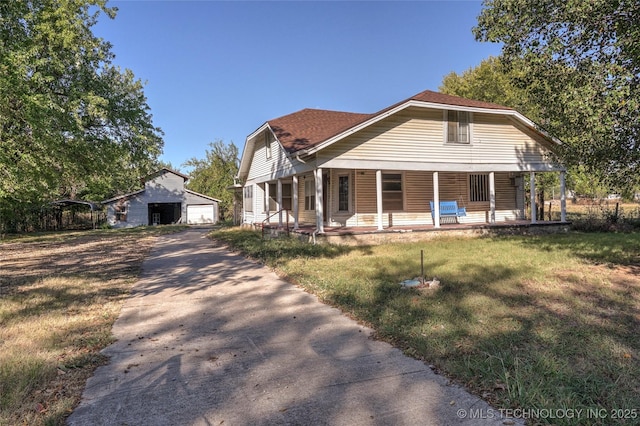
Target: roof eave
201	195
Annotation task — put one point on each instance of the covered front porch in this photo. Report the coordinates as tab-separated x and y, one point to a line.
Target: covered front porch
357	201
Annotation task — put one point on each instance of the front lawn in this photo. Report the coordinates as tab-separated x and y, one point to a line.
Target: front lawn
549	322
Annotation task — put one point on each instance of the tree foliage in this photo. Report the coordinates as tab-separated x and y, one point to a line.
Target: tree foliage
582	64
214	174
494	81
71	123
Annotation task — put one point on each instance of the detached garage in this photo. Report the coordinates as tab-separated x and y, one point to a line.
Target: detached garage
163	201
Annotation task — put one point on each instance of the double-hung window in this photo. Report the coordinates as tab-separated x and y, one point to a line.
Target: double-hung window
121	212
392	199
458	127
248	198
267	145
309	194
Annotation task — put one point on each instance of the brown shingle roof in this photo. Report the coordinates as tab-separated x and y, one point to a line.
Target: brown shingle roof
309	127
441	98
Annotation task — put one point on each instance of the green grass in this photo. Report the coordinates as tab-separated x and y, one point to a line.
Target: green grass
548	322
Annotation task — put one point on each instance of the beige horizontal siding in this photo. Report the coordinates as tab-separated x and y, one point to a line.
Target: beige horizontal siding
417	134
261	166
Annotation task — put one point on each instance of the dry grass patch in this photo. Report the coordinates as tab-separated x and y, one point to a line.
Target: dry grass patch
59	296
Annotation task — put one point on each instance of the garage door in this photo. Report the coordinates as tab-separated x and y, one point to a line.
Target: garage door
198	215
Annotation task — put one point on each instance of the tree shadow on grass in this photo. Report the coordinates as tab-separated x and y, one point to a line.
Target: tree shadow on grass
570	341
597	247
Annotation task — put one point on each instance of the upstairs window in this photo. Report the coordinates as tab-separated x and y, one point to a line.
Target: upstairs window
458	127
267	145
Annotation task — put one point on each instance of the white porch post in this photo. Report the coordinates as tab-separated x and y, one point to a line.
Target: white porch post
279	199
492	197
319	213
436	200
379	197
532	189
563	197
266	202
296	207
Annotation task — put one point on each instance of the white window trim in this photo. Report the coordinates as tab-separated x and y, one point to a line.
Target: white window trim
245	198
312	193
445	127
267	145
349	193
403	191
486	188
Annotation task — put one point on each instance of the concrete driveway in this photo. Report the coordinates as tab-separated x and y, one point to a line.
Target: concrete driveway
209	338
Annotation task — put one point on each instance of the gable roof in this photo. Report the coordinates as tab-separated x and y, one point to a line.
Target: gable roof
147	178
162	171
310	127
310	130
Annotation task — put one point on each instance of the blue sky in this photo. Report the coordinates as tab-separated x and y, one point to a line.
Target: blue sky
220	69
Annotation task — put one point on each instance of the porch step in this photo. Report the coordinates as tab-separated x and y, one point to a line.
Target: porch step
274	232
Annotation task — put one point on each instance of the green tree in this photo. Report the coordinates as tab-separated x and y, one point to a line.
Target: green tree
497	82
214	174
493	81
71	123
583	65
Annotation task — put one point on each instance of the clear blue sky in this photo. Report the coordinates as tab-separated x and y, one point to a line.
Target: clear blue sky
220	69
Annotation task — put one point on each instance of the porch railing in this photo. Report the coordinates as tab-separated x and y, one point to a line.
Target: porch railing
286	212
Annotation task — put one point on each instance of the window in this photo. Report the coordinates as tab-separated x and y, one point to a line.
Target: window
273	196
286	196
248	198
392	192
343	193
309	194
267	145
121	212
458	127
478	188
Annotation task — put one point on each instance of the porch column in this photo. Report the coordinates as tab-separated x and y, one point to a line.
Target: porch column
436	201
294	201
563	197
279	199
492	197
532	190
319	212
379	197
266	202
